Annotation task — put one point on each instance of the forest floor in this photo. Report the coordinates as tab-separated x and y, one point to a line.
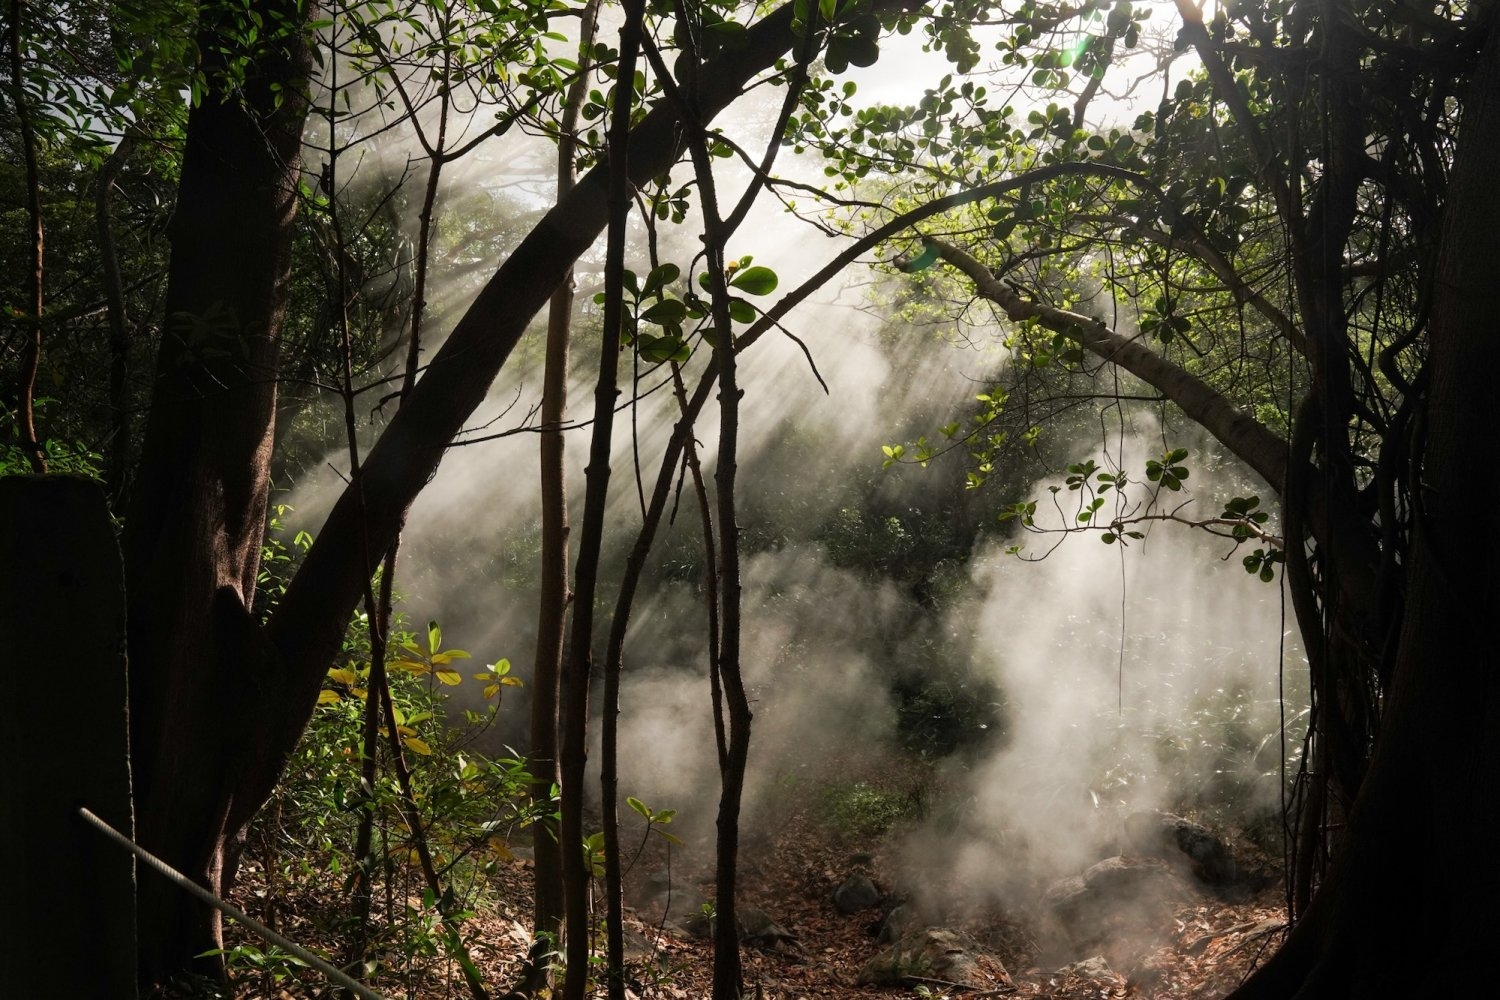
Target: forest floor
1206	947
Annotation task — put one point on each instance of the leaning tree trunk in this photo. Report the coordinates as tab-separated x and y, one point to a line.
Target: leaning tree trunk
195	528
217	704
1417	866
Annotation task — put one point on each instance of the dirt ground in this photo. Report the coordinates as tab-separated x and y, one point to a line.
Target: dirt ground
1203	950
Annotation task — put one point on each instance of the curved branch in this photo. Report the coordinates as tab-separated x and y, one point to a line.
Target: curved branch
1242	434
1209	255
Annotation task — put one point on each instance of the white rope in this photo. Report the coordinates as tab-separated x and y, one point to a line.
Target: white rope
180	880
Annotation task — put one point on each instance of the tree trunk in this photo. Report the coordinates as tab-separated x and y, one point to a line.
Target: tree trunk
117	463
578	672
727	978
1416	868
199	678
552	614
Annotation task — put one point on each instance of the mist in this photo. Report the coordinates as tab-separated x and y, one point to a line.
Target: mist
1136	679
1106	679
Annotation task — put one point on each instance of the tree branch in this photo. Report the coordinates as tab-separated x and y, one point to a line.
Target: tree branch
1249	439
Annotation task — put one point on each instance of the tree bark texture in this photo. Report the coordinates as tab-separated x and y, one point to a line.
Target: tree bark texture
203	686
1416	871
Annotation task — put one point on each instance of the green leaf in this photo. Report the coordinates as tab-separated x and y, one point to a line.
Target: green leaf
845	51
661	277
638	806
755	280
434	637
666	311
660	350
741	311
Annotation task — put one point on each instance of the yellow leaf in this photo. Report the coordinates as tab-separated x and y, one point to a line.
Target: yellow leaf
344	676
490	690
327	697
411	666
449	677
484	675
500	849
512	682
449	655
405	730
416	745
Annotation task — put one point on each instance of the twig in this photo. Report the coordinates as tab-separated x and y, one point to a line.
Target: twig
972	992
239	916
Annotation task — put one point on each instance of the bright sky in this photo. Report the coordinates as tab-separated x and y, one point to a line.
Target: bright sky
905	71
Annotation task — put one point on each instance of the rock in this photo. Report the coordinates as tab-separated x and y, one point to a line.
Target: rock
699	925
1094	969
638	947
1117	906
900	920
667	902
933	953
1182	842
854	894
756	928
